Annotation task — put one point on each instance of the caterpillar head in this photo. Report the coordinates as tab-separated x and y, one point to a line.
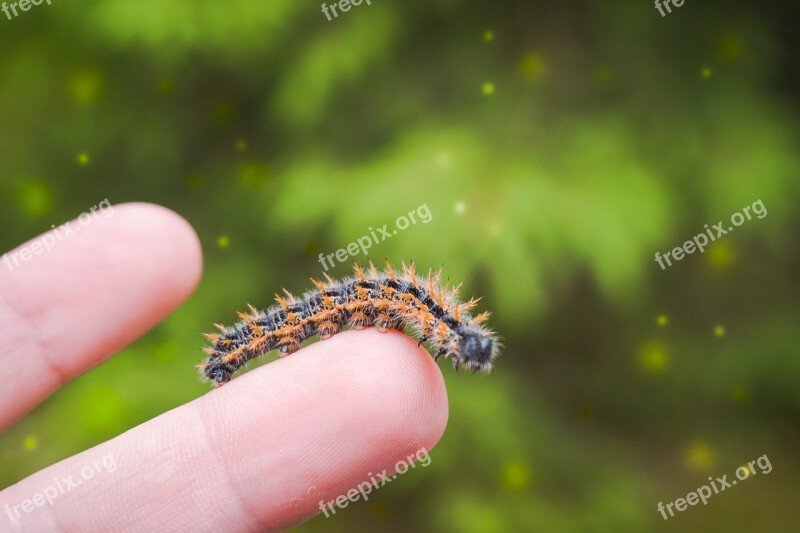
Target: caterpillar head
477	350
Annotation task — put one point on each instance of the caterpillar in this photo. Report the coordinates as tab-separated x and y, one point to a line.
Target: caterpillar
385	300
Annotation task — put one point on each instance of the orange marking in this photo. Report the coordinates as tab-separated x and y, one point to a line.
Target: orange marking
373	272
389	269
388	291
281	300
471	304
358	271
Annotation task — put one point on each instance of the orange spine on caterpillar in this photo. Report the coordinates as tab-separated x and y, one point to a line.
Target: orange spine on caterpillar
385	300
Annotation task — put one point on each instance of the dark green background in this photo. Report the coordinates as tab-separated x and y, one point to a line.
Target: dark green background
608	133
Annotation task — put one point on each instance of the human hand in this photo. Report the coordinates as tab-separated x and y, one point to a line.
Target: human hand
258	454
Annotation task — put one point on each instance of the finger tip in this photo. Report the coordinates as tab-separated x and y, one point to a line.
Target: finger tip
402	381
166	238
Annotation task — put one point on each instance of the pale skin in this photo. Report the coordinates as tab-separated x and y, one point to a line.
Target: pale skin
257	454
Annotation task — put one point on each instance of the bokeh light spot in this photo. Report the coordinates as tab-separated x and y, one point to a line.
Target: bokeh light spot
739	394
662	320
84	87
35	198
488	36
83	159
516	476
602	75
444	160
488	88
730	47
253	175
460	208
165	85
699	456
720	255
30	443
706	73
223	241
719	330
533	66
653	358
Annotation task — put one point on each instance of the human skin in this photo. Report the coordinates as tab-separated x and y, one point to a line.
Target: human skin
258	454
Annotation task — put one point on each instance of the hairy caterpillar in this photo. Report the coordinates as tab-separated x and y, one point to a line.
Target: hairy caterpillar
382	299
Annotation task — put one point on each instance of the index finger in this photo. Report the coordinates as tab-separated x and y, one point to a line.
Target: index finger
264	452
98	287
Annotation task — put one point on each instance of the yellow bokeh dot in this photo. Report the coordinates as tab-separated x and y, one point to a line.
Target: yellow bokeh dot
653	358
730	47
662	320
165	85
516	476
706	73
720	255
719	330
739	394
460	208
83	158
602	75
223	241
253	174
35	198
85	86
533	66
488	36
30	443
488	88
699	456
241	145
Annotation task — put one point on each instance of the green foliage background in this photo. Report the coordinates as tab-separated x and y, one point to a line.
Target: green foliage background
558	145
